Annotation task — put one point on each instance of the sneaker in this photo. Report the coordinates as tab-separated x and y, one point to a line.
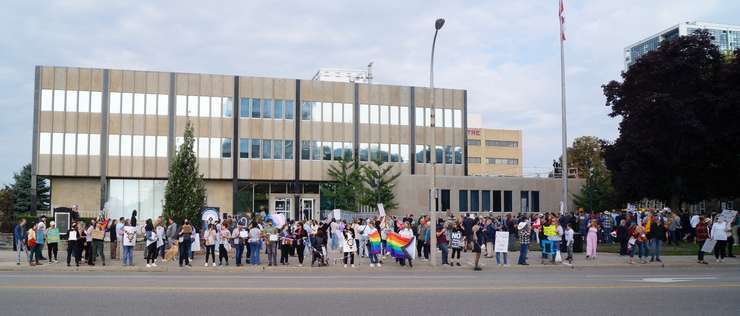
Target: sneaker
153	264
214	264
300	264
206	264
477	269
148	265
378	265
345	265
353	265
506	265
458	264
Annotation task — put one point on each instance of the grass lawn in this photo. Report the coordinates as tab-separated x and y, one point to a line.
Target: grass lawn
683	249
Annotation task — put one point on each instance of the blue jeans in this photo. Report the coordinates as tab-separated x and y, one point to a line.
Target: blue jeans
373	257
443	248
523	253
20	246
239	251
506	255
655	249
128	255
254	248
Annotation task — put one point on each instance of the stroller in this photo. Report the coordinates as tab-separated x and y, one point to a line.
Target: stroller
317	252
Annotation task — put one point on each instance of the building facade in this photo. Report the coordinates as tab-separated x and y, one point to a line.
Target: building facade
104	137
494	152
726	37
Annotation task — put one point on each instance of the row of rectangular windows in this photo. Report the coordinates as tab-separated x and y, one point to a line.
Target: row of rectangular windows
208	147
495	143
137	146
495	161
442	117
203	106
69	144
384	152
266	148
266	108
443	154
71	101
529	202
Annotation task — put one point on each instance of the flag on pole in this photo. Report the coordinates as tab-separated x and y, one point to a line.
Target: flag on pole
562	20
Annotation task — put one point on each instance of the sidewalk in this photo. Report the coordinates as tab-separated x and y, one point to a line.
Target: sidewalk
605	260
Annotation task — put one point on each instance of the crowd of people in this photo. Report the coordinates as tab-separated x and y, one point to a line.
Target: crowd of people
638	233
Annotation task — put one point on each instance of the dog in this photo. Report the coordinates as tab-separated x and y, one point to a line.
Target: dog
171	253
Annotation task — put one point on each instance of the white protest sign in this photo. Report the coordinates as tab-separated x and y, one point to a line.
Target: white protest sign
502	242
708	246
195	245
278	220
728	215
337	213
381	210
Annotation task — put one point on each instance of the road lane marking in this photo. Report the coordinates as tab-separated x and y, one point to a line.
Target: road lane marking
368	290
672	280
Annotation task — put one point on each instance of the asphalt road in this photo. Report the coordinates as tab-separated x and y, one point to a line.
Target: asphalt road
587	291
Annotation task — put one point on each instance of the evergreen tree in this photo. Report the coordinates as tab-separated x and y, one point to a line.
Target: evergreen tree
21	191
7	220
379	182
185	193
345	189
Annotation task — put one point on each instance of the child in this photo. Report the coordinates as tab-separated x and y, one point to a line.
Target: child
569	242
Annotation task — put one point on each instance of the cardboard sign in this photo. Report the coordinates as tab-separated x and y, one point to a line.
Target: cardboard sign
708	246
98	234
381	210
728	216
502	242
337	214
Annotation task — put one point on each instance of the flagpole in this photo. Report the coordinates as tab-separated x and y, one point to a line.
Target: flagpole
564	166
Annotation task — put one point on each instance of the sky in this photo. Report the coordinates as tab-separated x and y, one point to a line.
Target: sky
505	53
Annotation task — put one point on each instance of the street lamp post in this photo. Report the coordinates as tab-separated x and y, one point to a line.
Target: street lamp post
433	192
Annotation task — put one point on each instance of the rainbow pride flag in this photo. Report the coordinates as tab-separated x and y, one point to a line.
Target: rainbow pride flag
396	243
374	240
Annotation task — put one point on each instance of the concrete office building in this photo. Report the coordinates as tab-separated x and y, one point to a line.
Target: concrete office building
494	152
104	137
726	37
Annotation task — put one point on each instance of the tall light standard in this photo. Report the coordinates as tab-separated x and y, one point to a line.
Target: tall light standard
433	192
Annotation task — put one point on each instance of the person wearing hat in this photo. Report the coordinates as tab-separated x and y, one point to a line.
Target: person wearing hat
524	238
701	236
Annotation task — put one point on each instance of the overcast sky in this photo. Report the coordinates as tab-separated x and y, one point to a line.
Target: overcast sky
505	53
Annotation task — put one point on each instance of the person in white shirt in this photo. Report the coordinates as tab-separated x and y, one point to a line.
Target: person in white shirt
407	233
361	236
719	233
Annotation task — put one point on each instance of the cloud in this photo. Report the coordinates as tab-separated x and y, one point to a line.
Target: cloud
505	53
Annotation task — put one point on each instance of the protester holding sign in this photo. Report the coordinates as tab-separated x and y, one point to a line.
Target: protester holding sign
52	241
129	241
349	247
719	232
701	235
272	239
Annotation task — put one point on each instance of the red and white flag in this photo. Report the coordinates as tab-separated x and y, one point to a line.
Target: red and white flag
561	10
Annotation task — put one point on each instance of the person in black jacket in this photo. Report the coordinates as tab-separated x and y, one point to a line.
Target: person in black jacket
657	235
622	237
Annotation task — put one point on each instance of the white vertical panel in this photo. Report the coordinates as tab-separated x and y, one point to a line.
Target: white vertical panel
150	146
404	116
47	100
57	143
448	118
163	106
215	148
394	115
139	103
70	140
138	146
127	103
82	144
216	107
162	146
45	143
59	100
115	102
348	107
71	101
83	102
125	145
114	145
151	104
96	101
181	105
94	145
205	107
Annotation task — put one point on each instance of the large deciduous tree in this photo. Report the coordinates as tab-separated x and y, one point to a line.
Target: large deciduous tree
678	138
185	193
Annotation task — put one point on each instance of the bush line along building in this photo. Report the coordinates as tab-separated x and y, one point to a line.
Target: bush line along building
104	137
